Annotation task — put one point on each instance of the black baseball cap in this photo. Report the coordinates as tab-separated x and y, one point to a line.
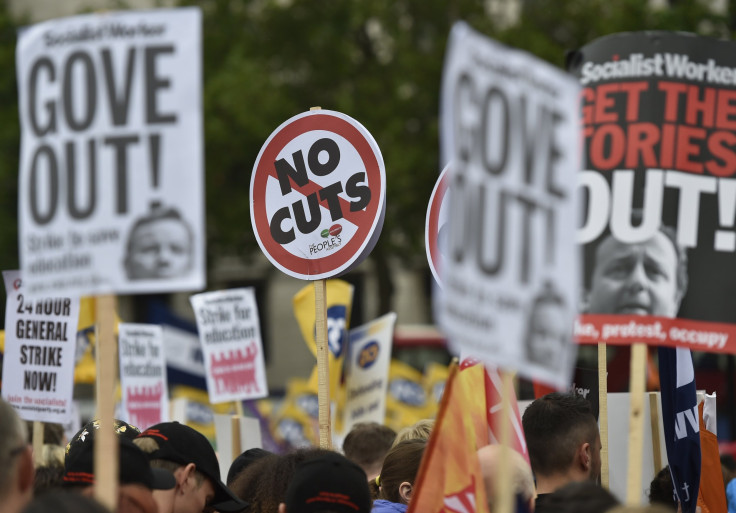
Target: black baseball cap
328	482
133	466
181	444
243	461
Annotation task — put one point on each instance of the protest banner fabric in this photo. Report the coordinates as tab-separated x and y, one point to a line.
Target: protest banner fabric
510	136
144	389
680	421
38	362
366	371
231	344
449	478
406	401
120	92
338	305
712	492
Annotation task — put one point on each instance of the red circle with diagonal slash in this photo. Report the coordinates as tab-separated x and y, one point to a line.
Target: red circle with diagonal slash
432	225
368	221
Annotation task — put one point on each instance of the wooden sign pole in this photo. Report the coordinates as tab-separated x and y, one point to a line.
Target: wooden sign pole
106	445
637	388
603	412
654	417
235	428
323	375
504	484
37	443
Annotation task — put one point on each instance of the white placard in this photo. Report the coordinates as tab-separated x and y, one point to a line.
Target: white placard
143	374
231	344
250	438
40	341
111	163
366	371
183	351
510	280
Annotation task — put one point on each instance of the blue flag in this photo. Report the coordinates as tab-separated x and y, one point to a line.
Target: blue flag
681	427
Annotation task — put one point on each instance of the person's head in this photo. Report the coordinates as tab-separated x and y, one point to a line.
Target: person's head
522	481
189	456
48	478
645	278
64	501
327	483
242	462
136	479
400	468
16	461
563	440
581	497
263	484
160	245
549	329
661	490
420	430
367	444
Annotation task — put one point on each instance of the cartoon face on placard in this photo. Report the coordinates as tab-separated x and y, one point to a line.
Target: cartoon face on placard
318	195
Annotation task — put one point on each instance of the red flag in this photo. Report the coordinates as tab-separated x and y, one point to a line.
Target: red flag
495	412
712	493
449	478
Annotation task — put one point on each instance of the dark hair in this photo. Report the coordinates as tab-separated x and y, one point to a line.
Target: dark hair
264	482
661	490
591	253
581	497
64	502
555	425
401	464
48	478
367	443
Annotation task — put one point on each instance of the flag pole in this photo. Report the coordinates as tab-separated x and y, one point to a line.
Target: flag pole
504	483
636	422
603	412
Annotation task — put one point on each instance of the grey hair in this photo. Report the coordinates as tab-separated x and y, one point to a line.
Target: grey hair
12	437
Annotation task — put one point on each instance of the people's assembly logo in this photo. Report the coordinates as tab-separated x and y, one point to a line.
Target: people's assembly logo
318	195
407	392
368	355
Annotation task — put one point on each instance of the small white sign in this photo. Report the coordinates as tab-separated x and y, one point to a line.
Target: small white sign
510	131
231	344
40	341
111	174
143	374
366	371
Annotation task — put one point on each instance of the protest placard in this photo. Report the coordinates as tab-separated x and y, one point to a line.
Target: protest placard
366	371
38	364
143	374
318	195
111	161
658	126
510	135
435	228
231	344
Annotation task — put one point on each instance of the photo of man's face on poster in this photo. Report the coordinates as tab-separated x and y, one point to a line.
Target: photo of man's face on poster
548	328
645	278
160	246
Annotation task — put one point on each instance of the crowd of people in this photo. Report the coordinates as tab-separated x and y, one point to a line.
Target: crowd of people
172	468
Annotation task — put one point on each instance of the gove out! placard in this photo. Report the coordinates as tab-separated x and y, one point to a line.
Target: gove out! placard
318	195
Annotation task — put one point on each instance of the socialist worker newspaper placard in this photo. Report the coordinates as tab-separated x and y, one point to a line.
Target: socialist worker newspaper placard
111	174
40	344
658	190
510	136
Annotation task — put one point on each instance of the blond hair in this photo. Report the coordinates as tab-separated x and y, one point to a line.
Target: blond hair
420	430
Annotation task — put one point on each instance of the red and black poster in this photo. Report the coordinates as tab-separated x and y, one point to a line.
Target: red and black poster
658	220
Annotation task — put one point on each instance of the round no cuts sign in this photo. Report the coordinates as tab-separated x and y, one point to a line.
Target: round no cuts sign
318	195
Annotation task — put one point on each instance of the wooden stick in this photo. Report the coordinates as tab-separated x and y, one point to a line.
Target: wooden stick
37	443
654	416
106	444
235	428
323	372
603	412
505	496
636	422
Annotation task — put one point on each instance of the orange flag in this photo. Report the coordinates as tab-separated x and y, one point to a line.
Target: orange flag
712	493
449	478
